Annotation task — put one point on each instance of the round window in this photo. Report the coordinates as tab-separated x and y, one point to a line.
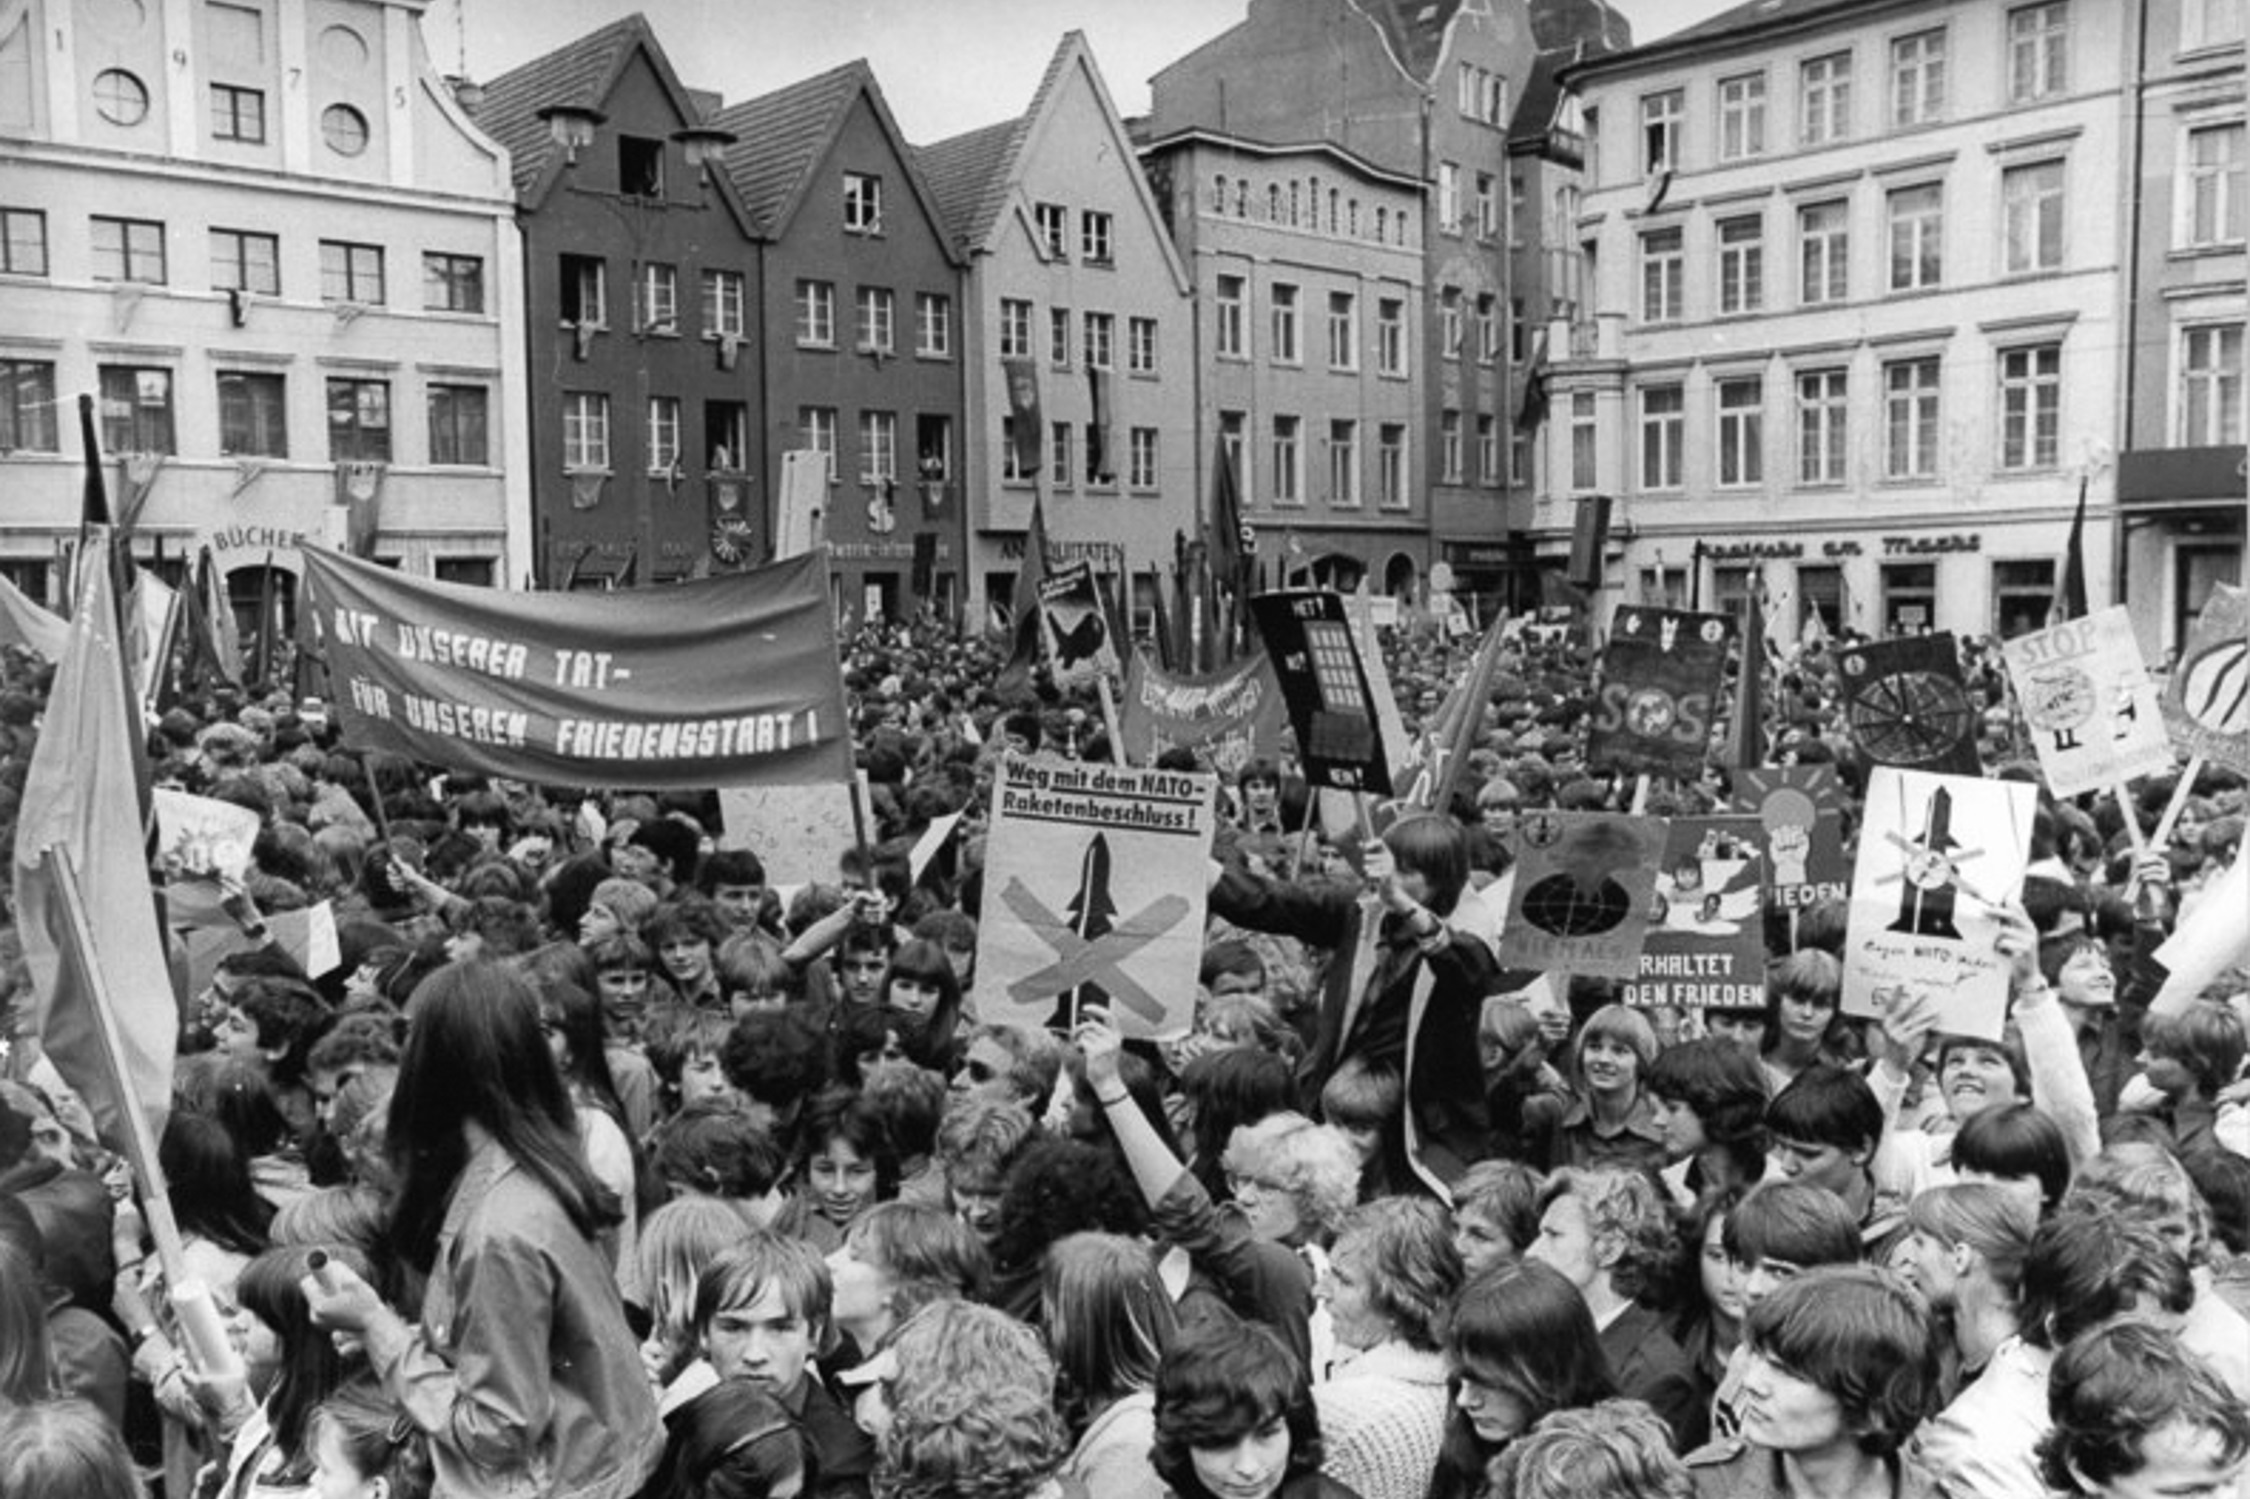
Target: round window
119	97
344	128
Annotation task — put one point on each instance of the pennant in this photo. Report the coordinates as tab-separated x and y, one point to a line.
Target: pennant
76	827
586	488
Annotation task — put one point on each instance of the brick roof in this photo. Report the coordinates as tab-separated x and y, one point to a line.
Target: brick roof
578	75
780	136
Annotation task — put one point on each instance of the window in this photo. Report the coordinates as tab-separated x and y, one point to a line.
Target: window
725	300
1488	206
1820	427
344	130
1390	465
933	325
1488	327
1742	116
2032	207
663	434
1663	275
1584	433
452	283
1012	469
640	167
1824	244
1059	325
1662	117
1918	78
1663	436
1053	221
1824	90
1742	404
1228	334
1343	463
2031	407
1448	197
1910	419
129	250
2215	182
2038	51
1094	236
359	420
1101	341
1232	424
1283	339
1519	332
351	273
1449	321
726	436
1140	345
1488	449
2203	23
660	298
23	242
816	315
817	426
878	447
1449	447
1140	470
585	291
1288	461
1015	329
585	432
1917	219
238	114
1909	597
459	425
2022	594
1742	264
1343	331
27	406
1061	443
2211	386
1390	335
253	415
863	203
243	261
136	409
875	314
119	97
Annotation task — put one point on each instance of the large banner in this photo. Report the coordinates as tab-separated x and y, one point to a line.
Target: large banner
1659	692
1907	706
1315	654
1938	857
1234	716
2093	709
725	681
1094	880
1585	885
2208	699
1706	942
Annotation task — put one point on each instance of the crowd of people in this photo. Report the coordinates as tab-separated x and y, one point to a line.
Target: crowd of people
599	1165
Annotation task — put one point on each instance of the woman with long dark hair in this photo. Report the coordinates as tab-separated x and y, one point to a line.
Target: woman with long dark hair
1109	1322
1521	1345
523	1371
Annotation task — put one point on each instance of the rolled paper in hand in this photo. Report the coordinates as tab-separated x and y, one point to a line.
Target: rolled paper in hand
322	1271
205	1331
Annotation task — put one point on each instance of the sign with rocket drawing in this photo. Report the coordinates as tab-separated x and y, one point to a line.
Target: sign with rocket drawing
1938	856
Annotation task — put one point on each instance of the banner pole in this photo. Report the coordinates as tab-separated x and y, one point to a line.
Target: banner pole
2180	794
1109	718
2118	788
1304	834
1640	793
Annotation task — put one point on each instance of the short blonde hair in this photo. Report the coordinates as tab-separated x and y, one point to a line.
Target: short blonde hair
1314	1163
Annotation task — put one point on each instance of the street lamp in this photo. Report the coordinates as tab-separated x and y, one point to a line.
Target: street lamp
704	146
571	126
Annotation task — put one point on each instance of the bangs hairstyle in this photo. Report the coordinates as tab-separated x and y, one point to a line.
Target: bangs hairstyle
1793	1223
2118	1385
1436	848
2015	1139
1827	1105
1219	1383
1623	1025
1864	1337
1506	1193
766	1260
1413	1271
2205	1038
1108	1317
1722	1084
1523	1328
271	1289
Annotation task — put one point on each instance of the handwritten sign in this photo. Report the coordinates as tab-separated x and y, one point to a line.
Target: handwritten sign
797	832
1234	716
1585	885
1094	895
2094	712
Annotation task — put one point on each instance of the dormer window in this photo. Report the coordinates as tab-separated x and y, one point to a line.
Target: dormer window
863	203
640	167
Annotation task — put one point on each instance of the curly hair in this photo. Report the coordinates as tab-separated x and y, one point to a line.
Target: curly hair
1314	1163
972	1408
1616	1449
1219	1383
1863	1336
1413	1271
1061	1187
2115	1387
1626	1204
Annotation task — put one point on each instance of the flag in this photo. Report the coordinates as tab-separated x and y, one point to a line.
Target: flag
218	616
1101	444
1746	729
359	489
31	625
1227	551
1023	414
152	620
1014	680
2070	597
72	806
1162	626
1459	724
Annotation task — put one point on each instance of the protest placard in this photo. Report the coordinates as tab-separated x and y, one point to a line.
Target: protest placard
199	833
725	681
1938	856
797	832
1706	941
1800	809
1094	879
1906	704
1233	716
2207	702
1585	883
1659	692
1315	654
2092	707
1074	625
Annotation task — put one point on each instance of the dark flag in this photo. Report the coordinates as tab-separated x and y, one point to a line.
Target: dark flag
1746	729
1023	414
1228	554
2070	598
1014	680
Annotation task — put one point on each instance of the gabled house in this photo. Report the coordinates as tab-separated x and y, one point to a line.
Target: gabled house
641	322
1070	268
861	293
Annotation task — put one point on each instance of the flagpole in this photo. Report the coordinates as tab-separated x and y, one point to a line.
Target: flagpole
1109	718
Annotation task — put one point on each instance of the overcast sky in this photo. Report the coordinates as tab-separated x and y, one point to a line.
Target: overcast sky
945	65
